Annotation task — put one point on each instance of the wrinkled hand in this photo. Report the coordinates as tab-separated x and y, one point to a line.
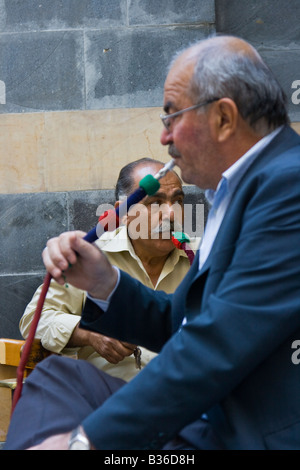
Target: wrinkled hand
81	263
111	349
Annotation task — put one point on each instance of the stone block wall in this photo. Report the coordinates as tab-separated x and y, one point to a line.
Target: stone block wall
81	90
93	54
272	27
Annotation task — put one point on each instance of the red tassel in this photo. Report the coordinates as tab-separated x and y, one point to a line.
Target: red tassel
177	243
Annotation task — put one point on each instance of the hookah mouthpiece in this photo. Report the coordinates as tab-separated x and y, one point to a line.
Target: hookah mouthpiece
163	171
150	183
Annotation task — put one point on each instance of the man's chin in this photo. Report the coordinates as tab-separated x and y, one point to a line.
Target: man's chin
163	245
184	172
187	176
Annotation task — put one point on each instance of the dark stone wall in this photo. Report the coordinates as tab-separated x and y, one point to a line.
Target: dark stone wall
95	54
272	27
89	54
78	55
92	54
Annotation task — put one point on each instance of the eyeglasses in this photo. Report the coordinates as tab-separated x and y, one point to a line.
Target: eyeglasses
167	118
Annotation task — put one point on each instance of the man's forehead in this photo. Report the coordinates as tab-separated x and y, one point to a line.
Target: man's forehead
169	181
146	169
177	83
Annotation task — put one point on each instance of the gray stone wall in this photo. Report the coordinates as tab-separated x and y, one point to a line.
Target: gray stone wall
91	54
74	55
272	27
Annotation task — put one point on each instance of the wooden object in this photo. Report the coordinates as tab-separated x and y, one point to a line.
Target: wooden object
10	352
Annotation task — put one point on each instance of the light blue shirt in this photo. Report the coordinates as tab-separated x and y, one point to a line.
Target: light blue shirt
221	197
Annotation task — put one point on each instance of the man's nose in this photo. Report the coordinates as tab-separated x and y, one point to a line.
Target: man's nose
168	211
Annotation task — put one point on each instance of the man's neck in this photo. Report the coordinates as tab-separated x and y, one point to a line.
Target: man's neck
152	262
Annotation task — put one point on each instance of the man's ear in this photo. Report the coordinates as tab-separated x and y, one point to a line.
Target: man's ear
225	119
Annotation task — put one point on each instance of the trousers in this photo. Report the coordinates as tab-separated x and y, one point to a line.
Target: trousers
61	392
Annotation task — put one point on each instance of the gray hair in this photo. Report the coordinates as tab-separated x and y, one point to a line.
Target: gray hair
245	78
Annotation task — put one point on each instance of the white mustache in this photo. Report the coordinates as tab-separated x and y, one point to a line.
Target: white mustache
167	226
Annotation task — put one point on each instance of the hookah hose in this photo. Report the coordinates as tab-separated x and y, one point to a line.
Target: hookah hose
109	220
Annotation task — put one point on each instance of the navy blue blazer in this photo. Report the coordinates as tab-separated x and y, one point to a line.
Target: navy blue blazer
232	359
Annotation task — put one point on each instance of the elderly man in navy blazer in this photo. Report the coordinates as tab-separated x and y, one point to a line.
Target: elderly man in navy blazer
224	378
